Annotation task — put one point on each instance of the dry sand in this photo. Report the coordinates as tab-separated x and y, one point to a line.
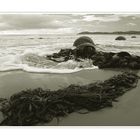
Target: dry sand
124	112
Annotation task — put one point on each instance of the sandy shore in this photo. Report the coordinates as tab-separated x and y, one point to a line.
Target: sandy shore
124	112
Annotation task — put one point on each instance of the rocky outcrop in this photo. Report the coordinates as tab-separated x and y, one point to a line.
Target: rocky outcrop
85	48
101	59
83	39
120	38
116	60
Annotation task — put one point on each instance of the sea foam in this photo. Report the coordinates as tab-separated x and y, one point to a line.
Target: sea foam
24	53
30	62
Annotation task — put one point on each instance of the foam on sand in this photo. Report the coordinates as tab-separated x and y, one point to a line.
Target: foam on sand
39	64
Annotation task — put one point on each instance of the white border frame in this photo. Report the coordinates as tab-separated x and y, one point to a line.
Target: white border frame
67	7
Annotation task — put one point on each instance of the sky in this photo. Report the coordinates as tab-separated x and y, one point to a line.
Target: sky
67	23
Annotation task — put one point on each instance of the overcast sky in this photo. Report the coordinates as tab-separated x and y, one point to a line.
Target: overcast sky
67	23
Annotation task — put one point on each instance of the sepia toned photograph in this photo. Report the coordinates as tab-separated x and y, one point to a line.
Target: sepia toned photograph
74	69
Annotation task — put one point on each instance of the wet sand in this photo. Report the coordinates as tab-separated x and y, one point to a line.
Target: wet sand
124	112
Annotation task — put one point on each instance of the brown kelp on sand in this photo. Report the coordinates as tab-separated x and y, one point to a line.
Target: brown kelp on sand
30	107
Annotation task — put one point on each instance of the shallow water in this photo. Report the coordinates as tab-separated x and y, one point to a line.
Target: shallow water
26	52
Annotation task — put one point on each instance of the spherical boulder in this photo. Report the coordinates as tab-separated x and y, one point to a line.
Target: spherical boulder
133	36
83	39
85	50
120	38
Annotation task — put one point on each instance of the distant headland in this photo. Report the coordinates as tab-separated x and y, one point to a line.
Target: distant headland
116	32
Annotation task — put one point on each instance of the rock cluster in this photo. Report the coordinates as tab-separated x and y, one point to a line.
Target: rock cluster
116	60
101	59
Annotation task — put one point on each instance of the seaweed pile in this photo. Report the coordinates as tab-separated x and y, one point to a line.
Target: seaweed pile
30	107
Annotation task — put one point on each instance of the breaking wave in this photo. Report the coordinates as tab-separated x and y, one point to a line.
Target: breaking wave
28	53
39	64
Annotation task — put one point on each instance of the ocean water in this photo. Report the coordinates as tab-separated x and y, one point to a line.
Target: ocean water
27	52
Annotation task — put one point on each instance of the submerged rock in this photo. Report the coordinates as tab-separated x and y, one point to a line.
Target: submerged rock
83	39
120	38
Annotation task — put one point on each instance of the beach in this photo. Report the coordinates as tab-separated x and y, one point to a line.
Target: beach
23	65
123	112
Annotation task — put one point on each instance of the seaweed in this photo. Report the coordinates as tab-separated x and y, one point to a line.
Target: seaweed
32	106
